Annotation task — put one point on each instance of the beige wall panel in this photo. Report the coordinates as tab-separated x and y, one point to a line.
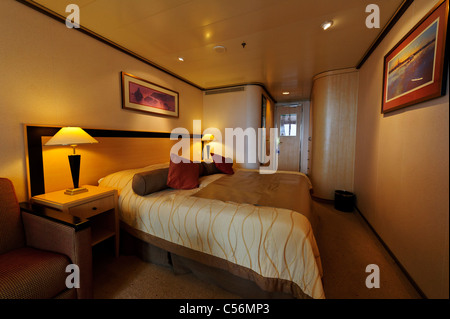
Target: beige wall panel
233	110
333	104
98	160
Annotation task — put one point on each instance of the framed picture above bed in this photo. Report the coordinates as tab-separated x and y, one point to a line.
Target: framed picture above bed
414	70
141	95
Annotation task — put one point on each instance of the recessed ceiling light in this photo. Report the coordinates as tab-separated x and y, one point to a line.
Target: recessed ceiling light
326	25
220	49
181	59
286	93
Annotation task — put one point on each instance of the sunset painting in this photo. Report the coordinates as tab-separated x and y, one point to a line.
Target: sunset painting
413	67
141	95
148	97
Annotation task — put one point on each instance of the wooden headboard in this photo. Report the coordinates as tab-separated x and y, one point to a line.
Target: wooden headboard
48	166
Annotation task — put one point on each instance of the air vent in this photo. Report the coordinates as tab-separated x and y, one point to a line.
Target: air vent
293	104
225	90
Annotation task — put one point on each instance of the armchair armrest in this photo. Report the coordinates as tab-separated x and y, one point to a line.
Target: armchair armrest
55	215
52	230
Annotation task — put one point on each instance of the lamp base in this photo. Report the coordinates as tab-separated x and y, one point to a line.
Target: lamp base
74	191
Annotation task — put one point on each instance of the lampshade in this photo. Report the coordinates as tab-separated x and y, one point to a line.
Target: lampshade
71	136
208	137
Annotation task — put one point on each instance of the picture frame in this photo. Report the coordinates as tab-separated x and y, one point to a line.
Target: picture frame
141	95
414	69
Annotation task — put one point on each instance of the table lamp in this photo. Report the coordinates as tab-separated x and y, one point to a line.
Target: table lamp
206	139
72	136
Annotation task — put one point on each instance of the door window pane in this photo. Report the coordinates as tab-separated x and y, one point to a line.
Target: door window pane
288	125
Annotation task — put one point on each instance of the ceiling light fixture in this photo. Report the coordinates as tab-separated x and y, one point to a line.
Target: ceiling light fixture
326	25
181	59
286	93
220	49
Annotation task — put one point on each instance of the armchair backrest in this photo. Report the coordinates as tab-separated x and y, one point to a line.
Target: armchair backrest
11	227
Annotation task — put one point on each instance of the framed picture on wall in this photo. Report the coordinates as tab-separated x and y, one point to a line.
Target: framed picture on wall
414	70
141	95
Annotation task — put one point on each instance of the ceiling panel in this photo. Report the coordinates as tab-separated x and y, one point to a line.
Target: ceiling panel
285	46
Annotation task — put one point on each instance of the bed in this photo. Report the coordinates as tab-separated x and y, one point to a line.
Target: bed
243	229
249	233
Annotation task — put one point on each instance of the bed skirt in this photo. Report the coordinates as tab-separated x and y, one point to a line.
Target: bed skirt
236	279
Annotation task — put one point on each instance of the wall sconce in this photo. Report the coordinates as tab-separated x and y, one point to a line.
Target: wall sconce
205	140
72	136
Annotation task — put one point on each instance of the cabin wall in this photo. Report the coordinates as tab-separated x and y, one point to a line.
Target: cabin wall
401	169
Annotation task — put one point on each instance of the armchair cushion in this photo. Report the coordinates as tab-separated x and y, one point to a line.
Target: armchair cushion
32	273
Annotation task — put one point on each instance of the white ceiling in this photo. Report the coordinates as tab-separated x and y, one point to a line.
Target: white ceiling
285	46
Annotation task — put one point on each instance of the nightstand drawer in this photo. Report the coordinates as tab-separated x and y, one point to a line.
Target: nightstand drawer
93	208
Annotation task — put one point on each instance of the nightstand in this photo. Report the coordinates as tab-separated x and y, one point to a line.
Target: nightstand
98	204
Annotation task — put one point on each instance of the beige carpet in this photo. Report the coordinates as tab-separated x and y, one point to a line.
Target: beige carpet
128	277
346	245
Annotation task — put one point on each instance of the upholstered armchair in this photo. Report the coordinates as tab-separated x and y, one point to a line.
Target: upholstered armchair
36	246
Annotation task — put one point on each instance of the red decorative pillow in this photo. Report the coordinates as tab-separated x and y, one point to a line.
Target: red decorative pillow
183	174
222	165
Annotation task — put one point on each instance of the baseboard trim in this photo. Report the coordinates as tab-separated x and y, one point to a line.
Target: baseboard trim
322	200
402	268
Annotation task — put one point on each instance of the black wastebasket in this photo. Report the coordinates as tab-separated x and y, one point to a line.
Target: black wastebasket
344	201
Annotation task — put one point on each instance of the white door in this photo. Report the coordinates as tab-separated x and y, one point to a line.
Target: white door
288	123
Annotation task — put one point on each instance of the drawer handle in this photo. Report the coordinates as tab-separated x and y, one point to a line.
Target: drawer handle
94	208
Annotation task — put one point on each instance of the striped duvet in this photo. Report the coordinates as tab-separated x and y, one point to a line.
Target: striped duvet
272	243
